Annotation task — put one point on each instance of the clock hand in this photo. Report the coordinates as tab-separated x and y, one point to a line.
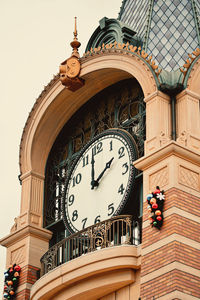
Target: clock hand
93	182
106	167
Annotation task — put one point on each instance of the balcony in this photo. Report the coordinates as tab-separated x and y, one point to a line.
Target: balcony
120	230
75	269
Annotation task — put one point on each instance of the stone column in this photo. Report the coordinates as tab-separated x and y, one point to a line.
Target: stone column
28	241
188	119
158	121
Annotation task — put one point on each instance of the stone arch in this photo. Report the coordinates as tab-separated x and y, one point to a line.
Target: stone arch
58	104
193	77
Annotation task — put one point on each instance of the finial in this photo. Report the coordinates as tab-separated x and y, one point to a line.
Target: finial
75	30
75	43
70	68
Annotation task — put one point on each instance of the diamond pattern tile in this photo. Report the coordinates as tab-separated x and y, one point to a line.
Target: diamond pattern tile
173	33
175	28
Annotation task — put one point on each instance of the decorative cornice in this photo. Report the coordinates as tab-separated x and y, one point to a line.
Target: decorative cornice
189	61
29	230
172	148
156	94
111	30
33	174
189	93
125	48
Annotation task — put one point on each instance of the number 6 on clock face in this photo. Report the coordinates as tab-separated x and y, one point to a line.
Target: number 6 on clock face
100	181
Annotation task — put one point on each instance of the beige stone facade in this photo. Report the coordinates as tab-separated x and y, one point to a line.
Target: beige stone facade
123	272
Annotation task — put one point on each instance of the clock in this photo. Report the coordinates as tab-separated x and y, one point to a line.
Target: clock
100	180
73	67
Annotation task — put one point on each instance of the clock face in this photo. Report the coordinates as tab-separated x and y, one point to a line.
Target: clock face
73	67
100	180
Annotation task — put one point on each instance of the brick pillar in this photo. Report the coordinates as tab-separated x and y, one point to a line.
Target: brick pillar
25	247
170	256
28	276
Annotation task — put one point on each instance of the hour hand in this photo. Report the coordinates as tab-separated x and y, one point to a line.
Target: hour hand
93	182
108	164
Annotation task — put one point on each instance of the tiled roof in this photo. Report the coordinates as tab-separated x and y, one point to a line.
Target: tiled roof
169	29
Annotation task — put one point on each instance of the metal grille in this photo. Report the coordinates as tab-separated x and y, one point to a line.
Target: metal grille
118	106
173	33
121	230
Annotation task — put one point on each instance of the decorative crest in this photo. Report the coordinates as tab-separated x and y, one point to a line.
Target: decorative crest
124	48
189	61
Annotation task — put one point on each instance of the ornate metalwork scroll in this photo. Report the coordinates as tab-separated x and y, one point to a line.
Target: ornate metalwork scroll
113	232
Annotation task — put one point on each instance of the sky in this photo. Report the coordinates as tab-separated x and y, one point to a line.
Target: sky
35	38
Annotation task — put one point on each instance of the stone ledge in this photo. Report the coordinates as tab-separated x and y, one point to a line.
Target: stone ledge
172	148
97	273
28	230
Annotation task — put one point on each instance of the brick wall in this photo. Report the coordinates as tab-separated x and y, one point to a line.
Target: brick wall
170	256
28	277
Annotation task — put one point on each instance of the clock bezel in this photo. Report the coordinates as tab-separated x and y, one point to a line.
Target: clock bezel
129	139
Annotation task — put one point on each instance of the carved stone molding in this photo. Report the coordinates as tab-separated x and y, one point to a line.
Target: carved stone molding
172	148
158	129
183	138
191	58
189	178
125	48
18	255
188	119
161	176
12	238
188	140
164	138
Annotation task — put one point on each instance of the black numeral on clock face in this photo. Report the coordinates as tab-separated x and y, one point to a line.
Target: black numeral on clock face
97	219
84	222
77	179
110	209
71	200
97	148
121	152
74	215
126	168
121	189
85	160
111	145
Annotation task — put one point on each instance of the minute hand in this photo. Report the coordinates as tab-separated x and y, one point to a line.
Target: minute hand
106	167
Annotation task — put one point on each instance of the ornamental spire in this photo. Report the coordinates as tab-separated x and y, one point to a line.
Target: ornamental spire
75	44
71	67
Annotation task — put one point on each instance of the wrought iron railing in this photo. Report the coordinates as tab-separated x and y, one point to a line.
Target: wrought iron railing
116	231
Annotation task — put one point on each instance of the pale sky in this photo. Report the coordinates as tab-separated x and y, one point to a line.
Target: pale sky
34	39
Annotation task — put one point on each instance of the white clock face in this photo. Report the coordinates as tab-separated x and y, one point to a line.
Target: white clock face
100	181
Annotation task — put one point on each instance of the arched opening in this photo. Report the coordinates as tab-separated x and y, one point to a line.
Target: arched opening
121	106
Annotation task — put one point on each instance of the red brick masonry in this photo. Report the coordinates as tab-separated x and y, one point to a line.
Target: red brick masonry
170	252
